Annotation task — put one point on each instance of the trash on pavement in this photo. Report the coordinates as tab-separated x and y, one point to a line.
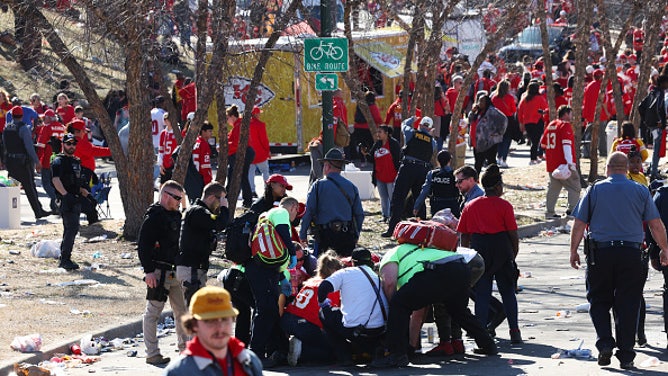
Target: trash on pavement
578	353
26	344
96	239
26	369
46	249
650	362
14	252
563	314
79	282
89	346
582	308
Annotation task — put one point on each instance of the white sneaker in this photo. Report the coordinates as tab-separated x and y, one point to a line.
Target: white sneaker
503	164
295	351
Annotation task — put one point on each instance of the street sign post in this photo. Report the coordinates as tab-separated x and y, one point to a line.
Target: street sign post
326	55
326	81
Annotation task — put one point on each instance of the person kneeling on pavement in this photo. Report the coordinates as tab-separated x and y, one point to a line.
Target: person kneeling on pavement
361	319
213	350
414	277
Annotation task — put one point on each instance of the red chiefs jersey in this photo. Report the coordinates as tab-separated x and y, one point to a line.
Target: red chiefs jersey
44	151
557	134
66	113
202	159
384	165
166	147
626	145
393	115
638	39
305	304
189	99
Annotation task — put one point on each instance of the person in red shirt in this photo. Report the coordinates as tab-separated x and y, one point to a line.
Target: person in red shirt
213	349
589	108
452	93
638	41
530	115
202	152
37	104
259	141
442	116
339	110
65	110
301	318
386	159
393	116
165	149
506	103
234	120
488	225
362	140
558	142
5	107
52	130
87	153
188	94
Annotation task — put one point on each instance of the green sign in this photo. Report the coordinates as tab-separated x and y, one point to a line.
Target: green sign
326	81
326	55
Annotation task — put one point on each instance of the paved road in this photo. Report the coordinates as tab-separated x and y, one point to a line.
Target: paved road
553	287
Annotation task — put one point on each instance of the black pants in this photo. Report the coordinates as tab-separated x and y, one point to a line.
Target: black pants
665	299
266	332
410	177
615	282
535	132
87	206
343	339
438	204
359	140
246	191
236	283
70	214
22	170
488	156
426	288
342	242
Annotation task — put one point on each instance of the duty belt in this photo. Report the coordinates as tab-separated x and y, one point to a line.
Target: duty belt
165	265
417	162
617	243
20	155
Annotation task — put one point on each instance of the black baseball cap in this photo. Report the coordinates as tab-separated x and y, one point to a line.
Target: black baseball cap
69	137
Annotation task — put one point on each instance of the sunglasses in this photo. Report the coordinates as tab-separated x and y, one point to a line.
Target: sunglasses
71	143
458	181
175	197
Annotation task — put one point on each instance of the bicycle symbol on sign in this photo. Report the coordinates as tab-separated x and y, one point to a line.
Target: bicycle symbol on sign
326	49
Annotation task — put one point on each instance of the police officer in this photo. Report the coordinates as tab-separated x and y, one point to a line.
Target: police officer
69	187
413	277
21	159
440	186
614	265
158	246
420	147
333	209
201	223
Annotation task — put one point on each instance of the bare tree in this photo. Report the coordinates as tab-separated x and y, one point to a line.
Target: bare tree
547	60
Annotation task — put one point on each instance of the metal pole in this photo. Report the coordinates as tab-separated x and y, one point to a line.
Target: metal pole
327	8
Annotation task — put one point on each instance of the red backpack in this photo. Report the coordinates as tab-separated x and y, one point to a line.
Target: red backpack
427	234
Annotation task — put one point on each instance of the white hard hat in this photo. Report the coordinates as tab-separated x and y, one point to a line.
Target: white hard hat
589	69
191	116
427	122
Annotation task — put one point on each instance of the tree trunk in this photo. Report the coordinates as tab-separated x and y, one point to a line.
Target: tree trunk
547	62
581	47
26	34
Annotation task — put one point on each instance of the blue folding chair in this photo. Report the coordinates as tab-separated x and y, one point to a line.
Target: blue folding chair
100	193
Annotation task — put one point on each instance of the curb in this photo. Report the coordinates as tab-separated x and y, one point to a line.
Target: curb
128	329
534	229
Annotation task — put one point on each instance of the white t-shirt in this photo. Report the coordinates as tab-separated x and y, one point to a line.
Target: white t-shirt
358	297
157	125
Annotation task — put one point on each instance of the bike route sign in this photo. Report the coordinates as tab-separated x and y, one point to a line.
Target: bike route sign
326	55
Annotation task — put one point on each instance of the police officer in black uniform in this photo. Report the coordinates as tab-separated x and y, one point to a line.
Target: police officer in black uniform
419	149
70	188
440	186
21	159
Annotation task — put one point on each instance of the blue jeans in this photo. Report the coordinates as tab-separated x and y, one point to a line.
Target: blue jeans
506	284
504	147
263	167
48	188
316	346
385	191
656	133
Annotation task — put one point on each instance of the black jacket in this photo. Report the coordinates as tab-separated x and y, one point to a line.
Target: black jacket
158	242
199	230
652	109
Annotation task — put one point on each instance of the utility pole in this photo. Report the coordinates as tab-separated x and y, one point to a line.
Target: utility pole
327	8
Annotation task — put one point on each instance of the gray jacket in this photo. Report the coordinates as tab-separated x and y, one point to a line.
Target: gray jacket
197	365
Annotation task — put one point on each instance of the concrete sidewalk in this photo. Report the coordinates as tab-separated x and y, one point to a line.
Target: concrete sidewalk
552	287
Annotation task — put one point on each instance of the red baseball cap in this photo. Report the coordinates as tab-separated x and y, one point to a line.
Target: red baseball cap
49	113
599	72
78	125
280	179
256	110
17	111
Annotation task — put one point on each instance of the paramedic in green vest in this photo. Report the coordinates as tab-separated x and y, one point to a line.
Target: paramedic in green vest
264	281
413	277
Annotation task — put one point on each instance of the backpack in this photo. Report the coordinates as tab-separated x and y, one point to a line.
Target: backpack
237	237
427	234
268	245
342	136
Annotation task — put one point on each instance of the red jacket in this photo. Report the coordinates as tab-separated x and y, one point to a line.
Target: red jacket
452	94
233	138
507	105
340	110
259	141
528	111
87	152
589	102
188	100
